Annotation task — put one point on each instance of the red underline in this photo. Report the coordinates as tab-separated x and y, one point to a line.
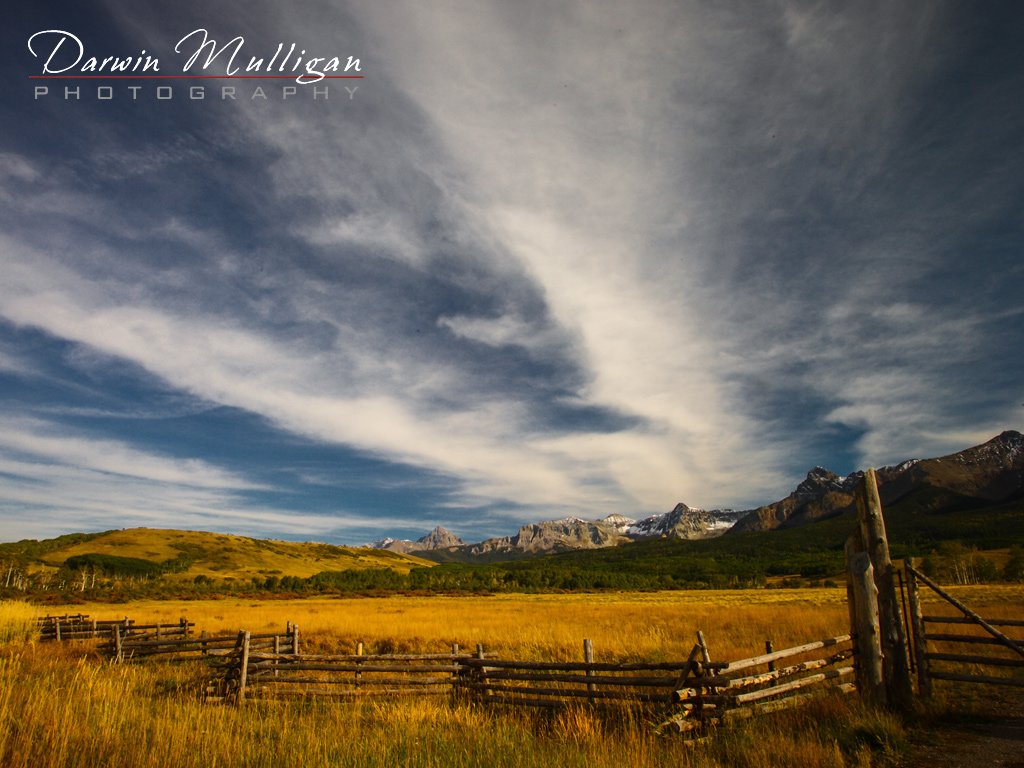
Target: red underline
195	77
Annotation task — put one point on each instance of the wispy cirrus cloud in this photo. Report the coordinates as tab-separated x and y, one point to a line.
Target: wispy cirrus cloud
598	259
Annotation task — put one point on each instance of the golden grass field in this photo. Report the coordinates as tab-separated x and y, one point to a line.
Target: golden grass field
63	706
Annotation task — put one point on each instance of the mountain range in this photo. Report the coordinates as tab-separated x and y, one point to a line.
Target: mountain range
986	474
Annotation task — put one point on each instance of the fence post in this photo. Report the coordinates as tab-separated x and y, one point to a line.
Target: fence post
57	625
457	668
359	652
924	680
899	692
482	693
588	657
118	654
295	639
865	629
243	669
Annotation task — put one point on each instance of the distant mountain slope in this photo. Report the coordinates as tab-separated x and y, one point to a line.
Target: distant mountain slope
990	472
214	555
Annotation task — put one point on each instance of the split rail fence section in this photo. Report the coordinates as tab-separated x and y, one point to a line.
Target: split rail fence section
121	648
255	671
82	627
697	691
722	692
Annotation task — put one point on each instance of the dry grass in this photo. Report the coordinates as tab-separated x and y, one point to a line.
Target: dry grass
62	706
622	626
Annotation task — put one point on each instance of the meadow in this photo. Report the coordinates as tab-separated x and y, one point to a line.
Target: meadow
61	705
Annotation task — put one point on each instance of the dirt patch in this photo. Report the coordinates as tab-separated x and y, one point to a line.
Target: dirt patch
987	736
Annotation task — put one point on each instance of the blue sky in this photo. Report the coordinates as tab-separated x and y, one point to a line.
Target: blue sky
543	259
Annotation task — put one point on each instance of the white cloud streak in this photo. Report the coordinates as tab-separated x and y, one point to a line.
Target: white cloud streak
596	177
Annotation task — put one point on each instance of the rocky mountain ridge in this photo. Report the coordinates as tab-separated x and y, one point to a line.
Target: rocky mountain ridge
569	533
439	538
990	472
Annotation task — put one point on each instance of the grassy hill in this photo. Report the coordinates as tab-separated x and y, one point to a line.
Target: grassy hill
956	534
184	555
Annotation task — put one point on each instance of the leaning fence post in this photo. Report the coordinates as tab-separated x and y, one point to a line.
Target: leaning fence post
924	680
704	653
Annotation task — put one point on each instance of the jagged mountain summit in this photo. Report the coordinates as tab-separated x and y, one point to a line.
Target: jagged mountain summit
990	472
439	538
684	522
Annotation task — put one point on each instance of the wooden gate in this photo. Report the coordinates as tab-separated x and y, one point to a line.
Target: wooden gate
965	648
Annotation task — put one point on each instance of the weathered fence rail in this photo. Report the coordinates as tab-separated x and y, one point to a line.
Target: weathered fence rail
720	692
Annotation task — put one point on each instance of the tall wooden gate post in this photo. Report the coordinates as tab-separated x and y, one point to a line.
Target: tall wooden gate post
895	666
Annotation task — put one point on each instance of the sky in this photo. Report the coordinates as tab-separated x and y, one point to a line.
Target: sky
539	259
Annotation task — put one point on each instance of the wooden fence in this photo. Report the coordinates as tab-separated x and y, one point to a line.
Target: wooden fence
122	648
721	692
974	650
255	671
82	627
694	692
558	684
